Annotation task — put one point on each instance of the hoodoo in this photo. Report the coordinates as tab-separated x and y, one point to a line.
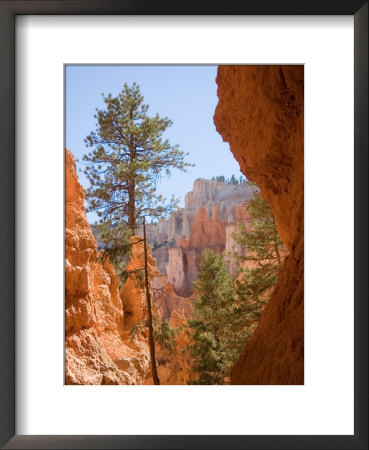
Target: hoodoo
211	212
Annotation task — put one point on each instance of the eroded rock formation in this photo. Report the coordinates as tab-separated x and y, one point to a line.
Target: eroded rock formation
133	293
98	348
175	367
210	208
99	317
261	114
167	300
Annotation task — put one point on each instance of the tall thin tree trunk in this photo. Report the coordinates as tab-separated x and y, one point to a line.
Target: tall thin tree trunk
149	308
131	207
131	187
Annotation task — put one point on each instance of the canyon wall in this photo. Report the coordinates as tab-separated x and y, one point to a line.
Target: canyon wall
99	316
207	220
174	367
261	114
98	349
133	292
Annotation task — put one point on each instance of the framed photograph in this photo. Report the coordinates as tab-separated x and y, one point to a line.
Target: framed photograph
186	197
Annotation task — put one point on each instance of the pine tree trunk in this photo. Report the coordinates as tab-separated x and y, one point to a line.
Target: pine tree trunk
149	308
131	207
131	188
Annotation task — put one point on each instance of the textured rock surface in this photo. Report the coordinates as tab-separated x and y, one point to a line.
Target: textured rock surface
182	269
261	114
132	293
162	257
98	349
167	300
207	231
209	208
205	194
175	368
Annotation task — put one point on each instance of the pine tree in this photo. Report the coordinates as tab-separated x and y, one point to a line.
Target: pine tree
214	342
117	247
260	267
233	180
164	333
128	158
219	179
226	313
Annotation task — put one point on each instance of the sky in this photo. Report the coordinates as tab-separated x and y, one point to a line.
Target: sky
185	94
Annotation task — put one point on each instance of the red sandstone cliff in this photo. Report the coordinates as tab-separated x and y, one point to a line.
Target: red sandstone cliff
261	114
97	348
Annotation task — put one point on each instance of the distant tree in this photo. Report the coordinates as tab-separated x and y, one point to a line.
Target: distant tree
232	180
216	333
259	269
226	312
165	335
219	179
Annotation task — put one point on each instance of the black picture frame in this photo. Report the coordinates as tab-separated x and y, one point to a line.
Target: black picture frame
8	12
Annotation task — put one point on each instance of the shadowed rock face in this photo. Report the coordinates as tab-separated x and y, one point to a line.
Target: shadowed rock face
261	114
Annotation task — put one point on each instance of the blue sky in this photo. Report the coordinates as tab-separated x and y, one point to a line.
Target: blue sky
185	94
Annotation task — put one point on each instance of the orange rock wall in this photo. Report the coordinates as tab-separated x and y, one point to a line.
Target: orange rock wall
97	348
207	232
133	293
209	208
261	114
175	367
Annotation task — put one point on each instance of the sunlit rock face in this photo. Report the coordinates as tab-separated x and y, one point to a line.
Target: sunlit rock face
97	348
99	317
206	194
180	264
173	367
133	293
178	242
261	114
